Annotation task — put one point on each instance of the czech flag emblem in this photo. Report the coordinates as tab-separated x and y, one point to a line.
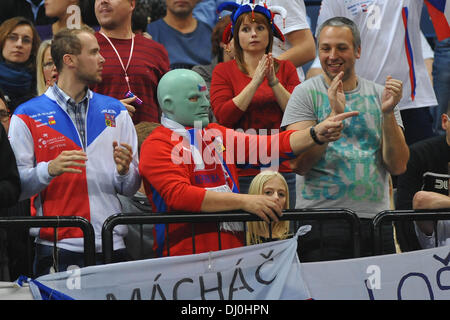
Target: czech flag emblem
110	120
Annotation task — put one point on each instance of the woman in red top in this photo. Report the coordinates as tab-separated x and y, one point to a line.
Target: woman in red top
252	91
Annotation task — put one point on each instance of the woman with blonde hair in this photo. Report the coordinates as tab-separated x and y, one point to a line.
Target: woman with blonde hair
46	73
272	184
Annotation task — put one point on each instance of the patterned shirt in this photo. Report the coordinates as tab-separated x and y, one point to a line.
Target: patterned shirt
76	111
351	173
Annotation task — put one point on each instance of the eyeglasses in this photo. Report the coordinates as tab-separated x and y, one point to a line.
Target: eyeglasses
48	65
13	37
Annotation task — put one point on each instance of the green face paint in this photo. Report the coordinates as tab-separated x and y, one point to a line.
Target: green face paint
182	96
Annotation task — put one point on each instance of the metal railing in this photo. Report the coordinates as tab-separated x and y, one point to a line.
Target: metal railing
56	222
390	216
295	215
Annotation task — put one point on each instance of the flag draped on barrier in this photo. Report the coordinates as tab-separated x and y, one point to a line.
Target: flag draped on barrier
269	271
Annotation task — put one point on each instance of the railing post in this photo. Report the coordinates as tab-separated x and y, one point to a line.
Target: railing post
58	222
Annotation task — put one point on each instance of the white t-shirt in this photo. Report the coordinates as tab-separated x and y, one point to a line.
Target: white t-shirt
391	44
295	20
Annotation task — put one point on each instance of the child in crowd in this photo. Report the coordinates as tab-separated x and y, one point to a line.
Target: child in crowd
271	184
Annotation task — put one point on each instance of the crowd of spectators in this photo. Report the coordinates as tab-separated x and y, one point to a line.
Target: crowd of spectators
80	93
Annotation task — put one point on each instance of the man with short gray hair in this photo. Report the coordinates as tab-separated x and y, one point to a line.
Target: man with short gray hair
352	172
393	44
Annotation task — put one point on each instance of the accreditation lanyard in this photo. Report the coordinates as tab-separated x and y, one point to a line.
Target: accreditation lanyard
125	69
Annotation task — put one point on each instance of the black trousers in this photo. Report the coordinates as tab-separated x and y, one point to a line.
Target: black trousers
334	241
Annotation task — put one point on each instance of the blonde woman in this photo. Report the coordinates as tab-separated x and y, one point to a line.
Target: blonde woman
272	184
46	73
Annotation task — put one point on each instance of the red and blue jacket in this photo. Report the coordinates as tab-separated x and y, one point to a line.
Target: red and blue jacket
40	130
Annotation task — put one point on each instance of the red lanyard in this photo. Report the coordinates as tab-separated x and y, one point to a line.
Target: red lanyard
127	79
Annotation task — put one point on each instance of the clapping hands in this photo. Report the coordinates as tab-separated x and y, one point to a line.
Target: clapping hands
123	154
336	95
392	94
265	69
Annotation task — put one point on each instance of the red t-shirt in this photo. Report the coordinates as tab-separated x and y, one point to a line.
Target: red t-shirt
149	63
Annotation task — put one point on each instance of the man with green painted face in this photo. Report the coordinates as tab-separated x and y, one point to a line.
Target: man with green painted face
189	164
184	99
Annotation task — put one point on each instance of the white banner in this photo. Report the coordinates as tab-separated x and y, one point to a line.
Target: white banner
417	275
269	271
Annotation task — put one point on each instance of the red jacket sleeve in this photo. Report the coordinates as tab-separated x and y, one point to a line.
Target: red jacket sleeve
166	182
246	150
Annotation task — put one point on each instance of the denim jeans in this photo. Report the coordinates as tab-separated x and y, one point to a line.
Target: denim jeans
245	181
43	260
441	81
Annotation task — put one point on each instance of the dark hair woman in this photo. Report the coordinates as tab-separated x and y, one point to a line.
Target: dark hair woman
19	42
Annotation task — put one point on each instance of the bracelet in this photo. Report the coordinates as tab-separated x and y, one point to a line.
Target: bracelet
273	84
312	132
